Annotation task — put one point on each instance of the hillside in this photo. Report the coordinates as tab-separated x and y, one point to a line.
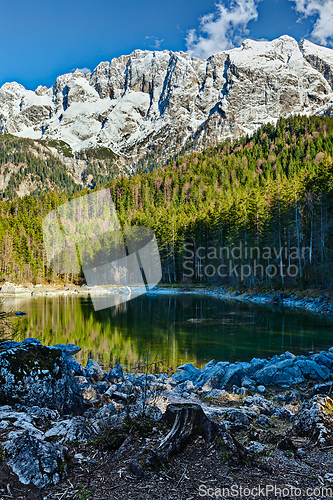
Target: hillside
31	167
273	189
145	106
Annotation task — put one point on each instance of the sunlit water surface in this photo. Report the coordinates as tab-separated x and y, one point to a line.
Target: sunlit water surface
177	328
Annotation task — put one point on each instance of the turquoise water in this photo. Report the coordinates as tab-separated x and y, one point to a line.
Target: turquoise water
177	328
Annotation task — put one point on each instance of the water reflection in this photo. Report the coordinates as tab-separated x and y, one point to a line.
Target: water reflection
179	328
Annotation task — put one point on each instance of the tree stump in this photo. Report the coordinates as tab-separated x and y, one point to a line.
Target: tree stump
189	421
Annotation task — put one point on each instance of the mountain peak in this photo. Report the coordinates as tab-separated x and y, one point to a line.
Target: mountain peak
160	99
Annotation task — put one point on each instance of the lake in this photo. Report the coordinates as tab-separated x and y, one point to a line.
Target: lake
178	328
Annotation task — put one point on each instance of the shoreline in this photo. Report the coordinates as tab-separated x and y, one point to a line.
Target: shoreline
258	413
321	304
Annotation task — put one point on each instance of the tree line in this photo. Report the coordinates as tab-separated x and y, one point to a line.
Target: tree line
256	211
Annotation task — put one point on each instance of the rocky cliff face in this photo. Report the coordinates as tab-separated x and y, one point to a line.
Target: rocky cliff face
162	99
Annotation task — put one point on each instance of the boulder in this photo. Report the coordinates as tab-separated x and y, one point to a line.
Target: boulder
248	384
40	415
144	381
225	378
256	365
293	398
312	371
102	387
69	430
69	349
186	372
80	379
314	420
324	359
290	372
115	375
90	394
33	341
34	375
94	370
9	288
74	366
284	413
127	388
216	394
210	363
8	345
255	447
208	373
238	417
20	423
242	391
36	461
110	390
261	405
105	412
142	407
189	386
263	420
120	397
244	365
322	389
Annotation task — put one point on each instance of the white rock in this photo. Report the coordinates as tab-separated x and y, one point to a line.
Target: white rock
147	97
73	429
255	447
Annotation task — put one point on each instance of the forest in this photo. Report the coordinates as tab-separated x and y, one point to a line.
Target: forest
258	208
48	165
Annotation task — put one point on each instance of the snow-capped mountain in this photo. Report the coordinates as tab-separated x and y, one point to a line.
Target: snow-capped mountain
163	98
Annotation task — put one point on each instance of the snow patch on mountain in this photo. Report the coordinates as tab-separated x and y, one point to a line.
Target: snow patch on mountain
163	98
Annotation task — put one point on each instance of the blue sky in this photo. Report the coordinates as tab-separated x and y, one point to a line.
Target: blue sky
43	39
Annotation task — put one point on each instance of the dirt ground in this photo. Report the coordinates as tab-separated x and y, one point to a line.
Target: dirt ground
200	471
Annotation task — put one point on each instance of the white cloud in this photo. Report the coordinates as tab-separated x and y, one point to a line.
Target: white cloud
323	28
157	44
85	71
222	30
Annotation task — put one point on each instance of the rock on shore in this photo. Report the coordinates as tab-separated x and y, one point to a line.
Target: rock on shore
35	375
49	401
